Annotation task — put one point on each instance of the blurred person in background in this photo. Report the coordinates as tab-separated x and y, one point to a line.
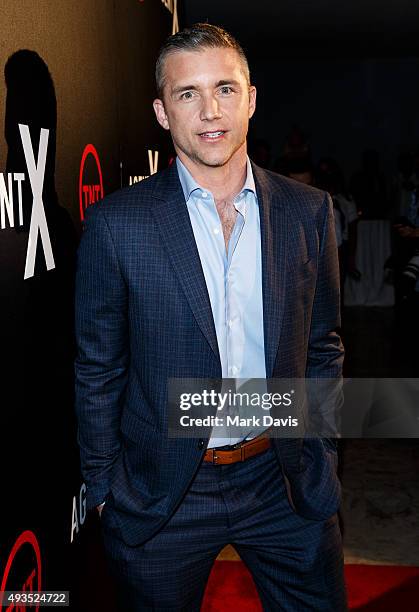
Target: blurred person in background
260	152
368	187
329	177
296	149
300	169
404	183
407	281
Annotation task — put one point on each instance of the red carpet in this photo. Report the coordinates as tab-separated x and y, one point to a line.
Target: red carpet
371	588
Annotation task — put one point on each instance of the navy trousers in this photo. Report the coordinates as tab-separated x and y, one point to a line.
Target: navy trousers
297	564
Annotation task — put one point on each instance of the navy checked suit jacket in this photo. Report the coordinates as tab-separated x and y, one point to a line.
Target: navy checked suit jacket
143	315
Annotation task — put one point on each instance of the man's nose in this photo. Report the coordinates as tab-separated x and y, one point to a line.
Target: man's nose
210	109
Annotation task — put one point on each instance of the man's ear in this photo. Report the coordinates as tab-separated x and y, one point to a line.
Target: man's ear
252	100
161	113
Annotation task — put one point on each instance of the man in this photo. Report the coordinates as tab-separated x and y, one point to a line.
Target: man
212	268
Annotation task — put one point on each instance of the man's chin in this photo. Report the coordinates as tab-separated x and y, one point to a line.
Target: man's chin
212	161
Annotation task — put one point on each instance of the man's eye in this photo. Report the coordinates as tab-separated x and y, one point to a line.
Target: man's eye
226	89
187	95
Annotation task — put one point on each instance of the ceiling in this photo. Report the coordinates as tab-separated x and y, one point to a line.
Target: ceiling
303	28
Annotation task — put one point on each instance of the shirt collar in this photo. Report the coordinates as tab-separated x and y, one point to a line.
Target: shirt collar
189	184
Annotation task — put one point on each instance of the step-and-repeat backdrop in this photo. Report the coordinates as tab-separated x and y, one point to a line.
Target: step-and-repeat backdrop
75	101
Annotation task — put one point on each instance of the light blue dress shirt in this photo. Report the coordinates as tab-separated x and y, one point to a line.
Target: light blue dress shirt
234	283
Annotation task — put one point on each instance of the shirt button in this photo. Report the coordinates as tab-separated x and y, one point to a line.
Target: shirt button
204	194
216	230
201	444
231	323
234	370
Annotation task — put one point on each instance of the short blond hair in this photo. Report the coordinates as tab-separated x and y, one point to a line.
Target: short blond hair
197	37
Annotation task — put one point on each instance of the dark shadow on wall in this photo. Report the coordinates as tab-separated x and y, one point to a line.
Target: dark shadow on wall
38	453
30	101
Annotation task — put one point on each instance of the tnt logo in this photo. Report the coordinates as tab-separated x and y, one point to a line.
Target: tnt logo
22	571
91	188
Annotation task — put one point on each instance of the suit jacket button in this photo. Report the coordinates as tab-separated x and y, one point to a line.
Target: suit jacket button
201	444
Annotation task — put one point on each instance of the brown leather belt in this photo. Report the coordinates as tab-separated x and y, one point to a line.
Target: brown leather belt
244	451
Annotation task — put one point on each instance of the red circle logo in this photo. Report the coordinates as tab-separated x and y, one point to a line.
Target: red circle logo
34	576
89	191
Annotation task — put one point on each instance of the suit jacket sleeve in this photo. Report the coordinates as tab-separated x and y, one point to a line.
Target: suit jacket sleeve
325	350
103	353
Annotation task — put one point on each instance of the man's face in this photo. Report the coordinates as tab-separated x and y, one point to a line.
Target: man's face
207	104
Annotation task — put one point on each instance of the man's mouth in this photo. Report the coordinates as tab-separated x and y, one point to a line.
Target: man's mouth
214	135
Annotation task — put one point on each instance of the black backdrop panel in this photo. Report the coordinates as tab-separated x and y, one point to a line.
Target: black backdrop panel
78	124
137	120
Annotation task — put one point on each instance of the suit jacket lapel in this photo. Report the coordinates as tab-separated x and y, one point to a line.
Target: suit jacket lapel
172	217
274	245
